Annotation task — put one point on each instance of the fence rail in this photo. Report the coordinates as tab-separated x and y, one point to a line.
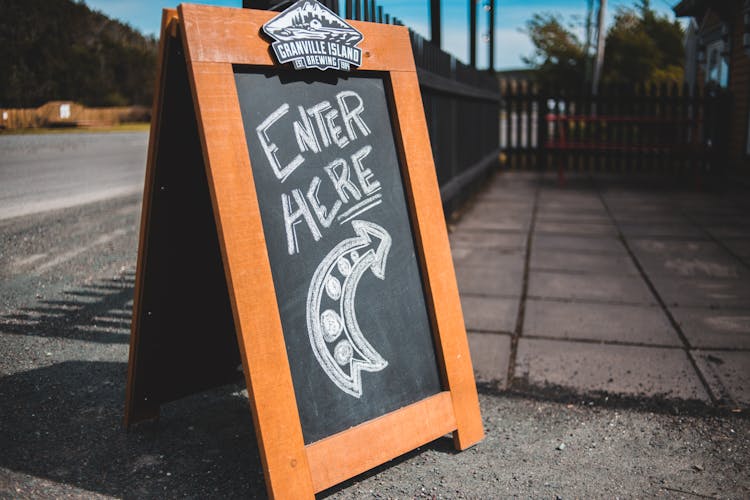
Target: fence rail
645	128
461	105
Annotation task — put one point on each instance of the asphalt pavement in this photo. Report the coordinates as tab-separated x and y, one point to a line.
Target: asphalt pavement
45	172
553	428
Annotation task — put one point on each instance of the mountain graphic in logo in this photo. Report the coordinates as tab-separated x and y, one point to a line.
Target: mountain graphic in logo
309	35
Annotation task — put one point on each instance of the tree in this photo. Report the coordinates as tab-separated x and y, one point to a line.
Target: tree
559	56
60	49
641	47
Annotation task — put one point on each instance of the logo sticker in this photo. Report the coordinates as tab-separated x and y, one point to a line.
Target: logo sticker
309	35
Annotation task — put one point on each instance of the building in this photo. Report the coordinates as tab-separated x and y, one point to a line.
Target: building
718	52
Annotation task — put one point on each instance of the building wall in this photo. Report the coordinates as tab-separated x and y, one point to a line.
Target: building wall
739	85
710	22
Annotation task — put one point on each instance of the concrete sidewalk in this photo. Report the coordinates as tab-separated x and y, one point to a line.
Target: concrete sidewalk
607	286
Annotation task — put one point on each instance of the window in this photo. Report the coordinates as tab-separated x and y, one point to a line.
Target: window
717	64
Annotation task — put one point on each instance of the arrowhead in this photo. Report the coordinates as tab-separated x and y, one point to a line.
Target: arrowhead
367	230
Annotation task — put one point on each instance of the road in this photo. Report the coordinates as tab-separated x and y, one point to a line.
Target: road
66	284
47	172
69	207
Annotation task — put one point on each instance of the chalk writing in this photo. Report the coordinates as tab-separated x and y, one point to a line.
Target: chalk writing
335	336
351	185
341	245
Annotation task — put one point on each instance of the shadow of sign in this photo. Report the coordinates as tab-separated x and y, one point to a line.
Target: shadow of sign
99	312
64	423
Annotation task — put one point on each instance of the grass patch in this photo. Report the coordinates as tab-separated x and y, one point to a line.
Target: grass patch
125	127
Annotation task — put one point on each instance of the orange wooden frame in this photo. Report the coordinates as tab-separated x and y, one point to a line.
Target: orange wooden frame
215	39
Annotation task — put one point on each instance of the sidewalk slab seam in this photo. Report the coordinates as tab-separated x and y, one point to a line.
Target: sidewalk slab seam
628	370
630	324
490	354
728	375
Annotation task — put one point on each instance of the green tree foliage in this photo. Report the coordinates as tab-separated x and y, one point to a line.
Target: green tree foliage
641	47
60	49
558	53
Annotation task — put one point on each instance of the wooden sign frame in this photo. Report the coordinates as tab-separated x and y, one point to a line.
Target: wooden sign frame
206	44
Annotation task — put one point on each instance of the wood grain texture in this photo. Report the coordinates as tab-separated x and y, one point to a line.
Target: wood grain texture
248	274
356	450
135	410
432	238
219	34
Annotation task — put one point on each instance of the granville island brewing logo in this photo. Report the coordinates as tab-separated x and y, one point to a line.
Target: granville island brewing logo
311	36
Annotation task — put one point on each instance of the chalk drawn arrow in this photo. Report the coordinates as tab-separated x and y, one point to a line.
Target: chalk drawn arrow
335	336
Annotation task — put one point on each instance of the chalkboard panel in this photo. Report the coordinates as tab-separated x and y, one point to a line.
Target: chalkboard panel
340	244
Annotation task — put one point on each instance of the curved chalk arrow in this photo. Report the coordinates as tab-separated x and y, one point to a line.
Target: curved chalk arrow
336	339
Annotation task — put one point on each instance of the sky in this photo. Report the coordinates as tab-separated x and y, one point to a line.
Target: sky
511	43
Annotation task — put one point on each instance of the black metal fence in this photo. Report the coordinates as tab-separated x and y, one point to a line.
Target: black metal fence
462	106
646	128
461	103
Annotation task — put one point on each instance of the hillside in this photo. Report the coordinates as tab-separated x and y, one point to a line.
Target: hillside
61	49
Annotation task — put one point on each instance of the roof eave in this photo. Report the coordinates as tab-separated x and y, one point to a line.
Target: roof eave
690	8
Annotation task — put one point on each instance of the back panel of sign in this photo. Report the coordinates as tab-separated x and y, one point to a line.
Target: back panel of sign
340	244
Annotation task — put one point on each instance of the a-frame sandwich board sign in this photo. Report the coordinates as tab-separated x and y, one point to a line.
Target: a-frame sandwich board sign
292	224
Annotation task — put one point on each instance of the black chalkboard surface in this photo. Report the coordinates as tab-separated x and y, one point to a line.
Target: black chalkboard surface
340	244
